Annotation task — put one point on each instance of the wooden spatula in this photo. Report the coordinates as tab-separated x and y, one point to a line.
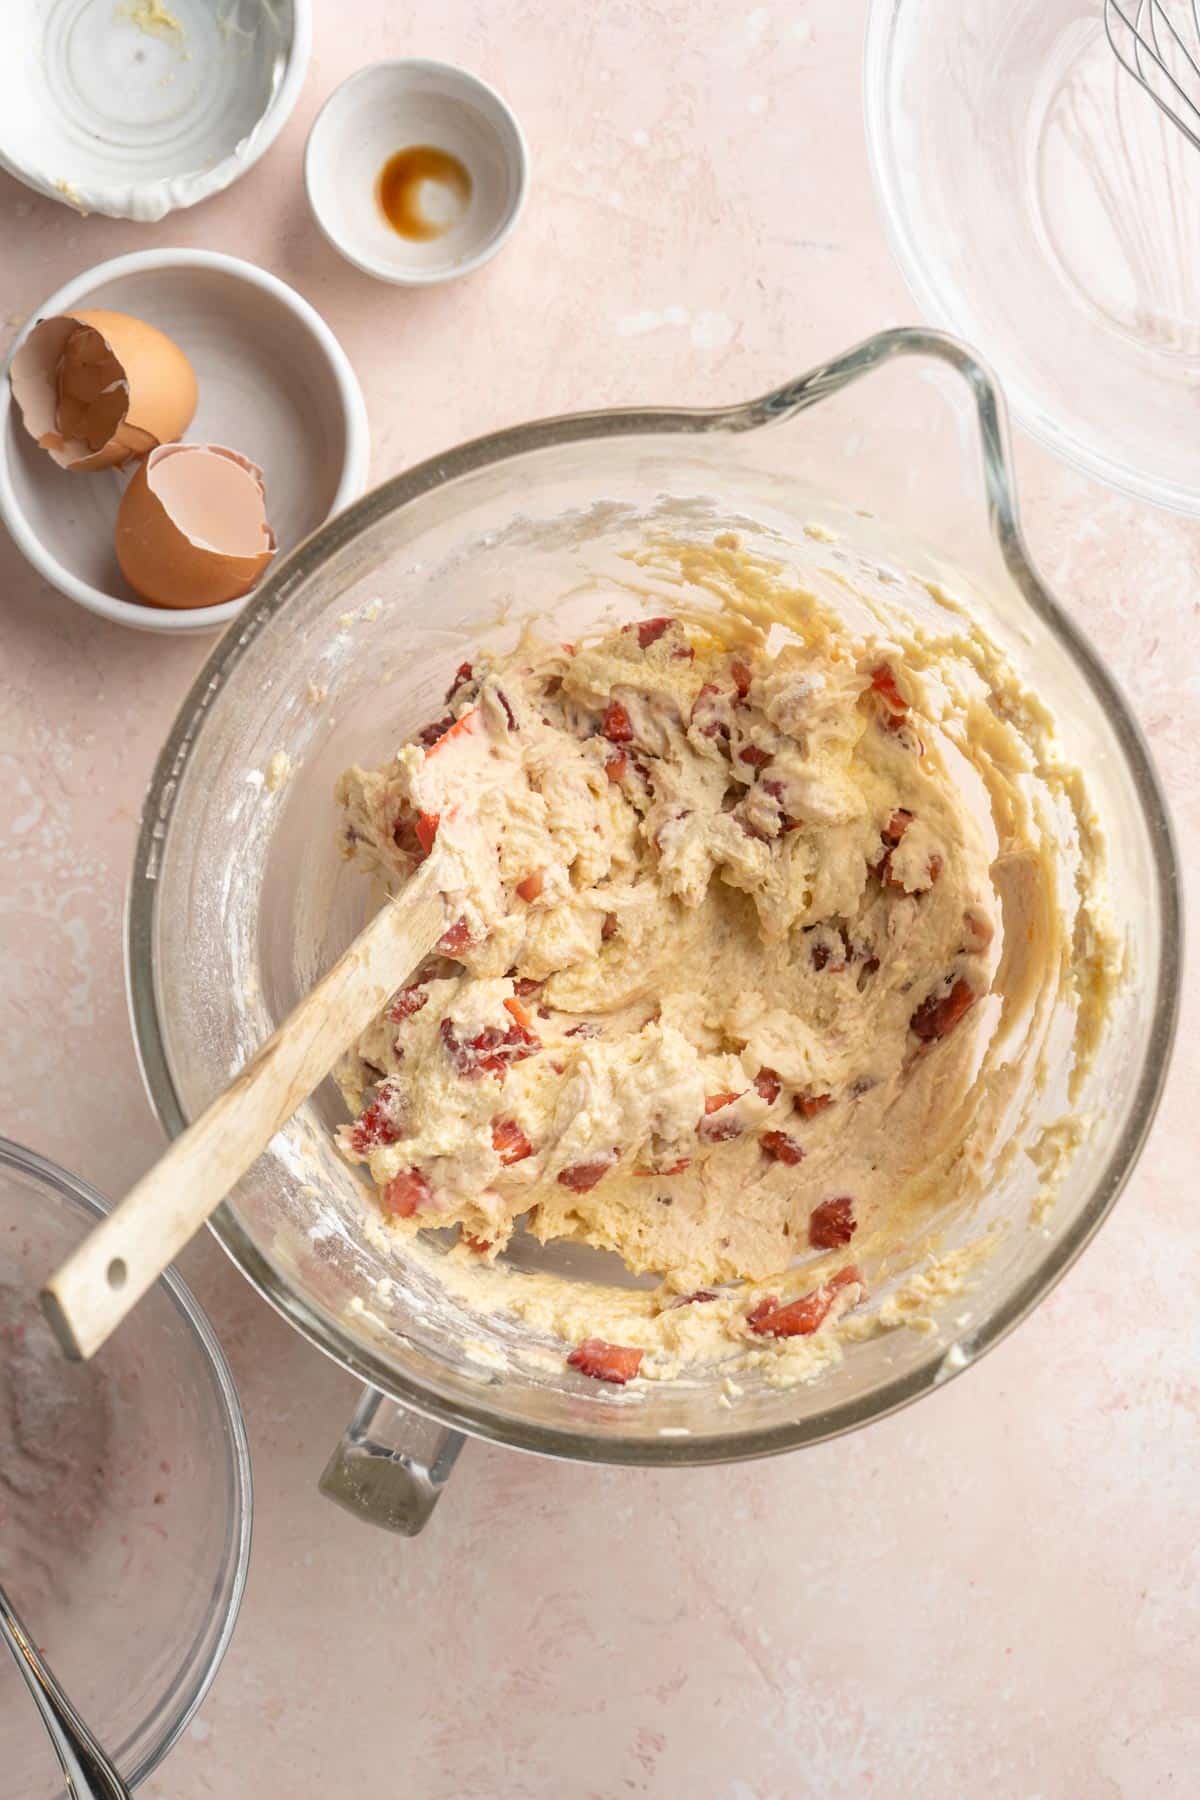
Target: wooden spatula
107	1275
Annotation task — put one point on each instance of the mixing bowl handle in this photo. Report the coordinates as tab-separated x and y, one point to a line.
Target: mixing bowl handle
391	1465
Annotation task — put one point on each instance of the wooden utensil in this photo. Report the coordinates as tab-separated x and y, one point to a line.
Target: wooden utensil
105	1277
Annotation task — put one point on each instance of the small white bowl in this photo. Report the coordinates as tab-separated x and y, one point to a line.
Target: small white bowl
274	383
135	107
394	106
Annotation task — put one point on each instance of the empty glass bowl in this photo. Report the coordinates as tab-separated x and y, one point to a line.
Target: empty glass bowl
124	1497
1043	209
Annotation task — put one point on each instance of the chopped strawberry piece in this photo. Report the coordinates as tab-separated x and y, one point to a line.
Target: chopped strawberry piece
768	1305
615	725
479	1246
719	1131
755	756
373	1127
768	1085
800	1318
455	939
705	716
460	729
515	1010
742	678
458	1051
586	1028
531	887
787	821
462	675
775	789
489	1052
809	1105
509	714
427	830
782	1148
938	1014
525	985
408	1001
832	1223
509	1142
606	1362
896	826
700	1298
650	630
429	734
615	764
583	1176
404	1193
609	927
883	683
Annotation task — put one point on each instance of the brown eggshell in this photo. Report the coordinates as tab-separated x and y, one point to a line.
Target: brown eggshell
159	383
188	530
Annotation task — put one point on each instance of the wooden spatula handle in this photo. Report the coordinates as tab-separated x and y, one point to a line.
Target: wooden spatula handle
103	1279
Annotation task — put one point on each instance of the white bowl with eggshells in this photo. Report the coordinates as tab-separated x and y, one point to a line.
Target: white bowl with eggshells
273	385
393	107
134	108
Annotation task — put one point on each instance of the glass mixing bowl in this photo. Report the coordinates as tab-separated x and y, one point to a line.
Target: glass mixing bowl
1042	207
124	1498
241	895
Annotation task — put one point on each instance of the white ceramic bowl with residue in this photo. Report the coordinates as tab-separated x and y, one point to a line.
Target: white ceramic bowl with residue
136	107
274	384
393	107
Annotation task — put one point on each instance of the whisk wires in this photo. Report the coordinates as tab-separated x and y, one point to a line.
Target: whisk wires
1149	44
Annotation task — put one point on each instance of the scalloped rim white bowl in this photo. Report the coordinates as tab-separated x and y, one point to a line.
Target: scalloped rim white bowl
98	102
250	405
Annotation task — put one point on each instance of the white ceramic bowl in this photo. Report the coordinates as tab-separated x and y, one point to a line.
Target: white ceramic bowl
395	106
136	107
274	383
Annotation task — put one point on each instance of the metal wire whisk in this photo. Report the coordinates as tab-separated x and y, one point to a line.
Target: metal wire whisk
1154	47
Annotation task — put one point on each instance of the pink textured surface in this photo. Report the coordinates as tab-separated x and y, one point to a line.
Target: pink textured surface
994	1594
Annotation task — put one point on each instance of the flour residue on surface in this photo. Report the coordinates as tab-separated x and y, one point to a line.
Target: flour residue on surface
55	1432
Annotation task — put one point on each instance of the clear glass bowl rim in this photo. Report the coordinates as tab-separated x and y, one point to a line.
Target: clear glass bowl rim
185	1696
941	311
282	583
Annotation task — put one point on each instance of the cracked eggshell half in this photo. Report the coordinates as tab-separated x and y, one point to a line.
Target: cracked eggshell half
192	526
96	389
